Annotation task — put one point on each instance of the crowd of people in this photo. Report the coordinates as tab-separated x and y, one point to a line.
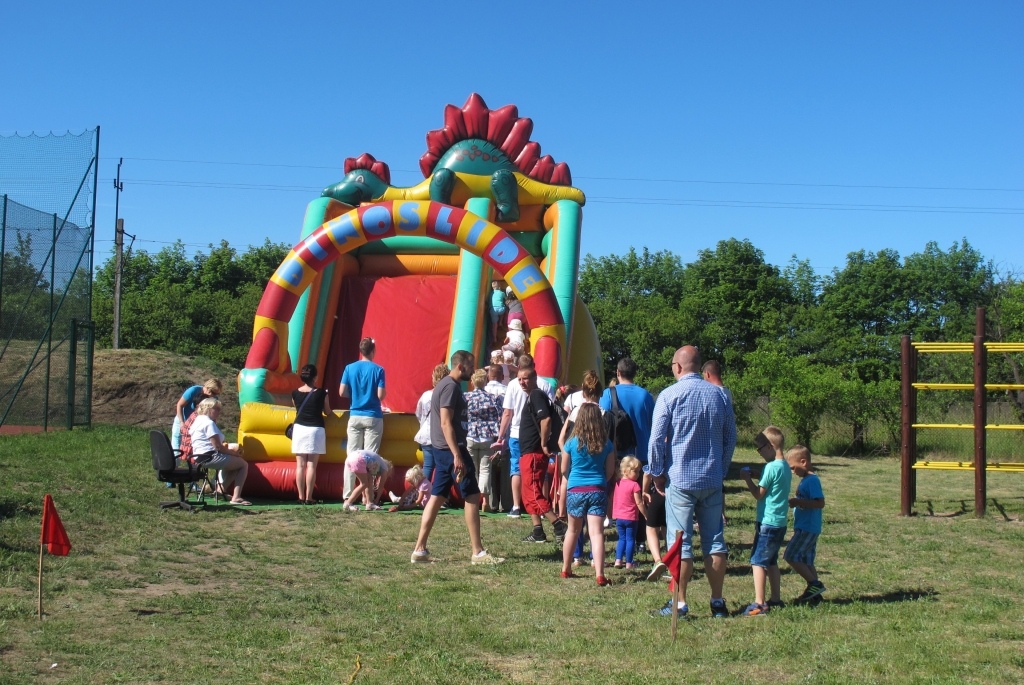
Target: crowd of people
582	458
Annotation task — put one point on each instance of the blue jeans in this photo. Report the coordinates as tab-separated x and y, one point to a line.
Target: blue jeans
428	461
767	542
627	540
680	508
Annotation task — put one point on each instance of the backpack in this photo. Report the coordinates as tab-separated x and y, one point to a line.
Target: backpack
556	423
620	426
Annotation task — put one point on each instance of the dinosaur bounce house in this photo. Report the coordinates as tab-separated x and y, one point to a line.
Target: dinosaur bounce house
412	268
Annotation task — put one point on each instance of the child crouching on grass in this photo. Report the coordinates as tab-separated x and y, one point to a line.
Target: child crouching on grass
415	494
372	471
808	503
772	495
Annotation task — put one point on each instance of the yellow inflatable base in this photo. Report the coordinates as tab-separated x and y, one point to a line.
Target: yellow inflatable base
261	435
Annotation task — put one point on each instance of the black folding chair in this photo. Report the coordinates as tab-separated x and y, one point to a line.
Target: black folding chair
165	462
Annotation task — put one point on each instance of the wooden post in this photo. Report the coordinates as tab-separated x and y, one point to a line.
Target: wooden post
675	594
980	414
914	357
906	422
41	547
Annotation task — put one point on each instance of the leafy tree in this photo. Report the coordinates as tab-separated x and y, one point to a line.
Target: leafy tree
634	300
202	305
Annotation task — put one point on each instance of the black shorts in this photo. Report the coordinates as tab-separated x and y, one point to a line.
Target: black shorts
656	510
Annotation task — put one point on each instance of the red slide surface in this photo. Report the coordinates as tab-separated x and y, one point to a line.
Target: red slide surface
409	317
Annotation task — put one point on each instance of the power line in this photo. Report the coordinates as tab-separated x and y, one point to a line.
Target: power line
621	178
743	204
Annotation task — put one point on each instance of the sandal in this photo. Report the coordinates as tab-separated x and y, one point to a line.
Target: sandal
241	503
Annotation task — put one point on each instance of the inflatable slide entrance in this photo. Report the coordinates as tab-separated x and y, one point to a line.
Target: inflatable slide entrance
412	268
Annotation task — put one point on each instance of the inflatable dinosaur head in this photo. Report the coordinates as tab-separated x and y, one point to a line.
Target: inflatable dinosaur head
365	180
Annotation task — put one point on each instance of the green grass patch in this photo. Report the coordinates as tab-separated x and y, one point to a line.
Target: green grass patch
296	595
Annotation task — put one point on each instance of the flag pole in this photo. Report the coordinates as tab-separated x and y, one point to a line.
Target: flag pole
41	546
675	594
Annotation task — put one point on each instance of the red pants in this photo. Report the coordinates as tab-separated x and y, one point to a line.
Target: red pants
533	467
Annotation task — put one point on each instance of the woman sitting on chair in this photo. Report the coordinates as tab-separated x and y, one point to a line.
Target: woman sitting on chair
211	452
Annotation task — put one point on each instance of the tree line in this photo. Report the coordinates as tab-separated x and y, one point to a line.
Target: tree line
815	345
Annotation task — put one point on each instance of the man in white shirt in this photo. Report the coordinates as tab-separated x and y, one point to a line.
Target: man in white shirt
515	400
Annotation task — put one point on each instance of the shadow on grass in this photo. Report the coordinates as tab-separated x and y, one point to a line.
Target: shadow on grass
893	597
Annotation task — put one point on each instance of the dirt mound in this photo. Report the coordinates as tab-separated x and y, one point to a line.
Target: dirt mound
141	387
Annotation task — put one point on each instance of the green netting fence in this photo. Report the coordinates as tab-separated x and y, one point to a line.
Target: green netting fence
47	228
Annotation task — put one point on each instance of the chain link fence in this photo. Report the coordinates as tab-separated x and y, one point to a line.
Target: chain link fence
48	186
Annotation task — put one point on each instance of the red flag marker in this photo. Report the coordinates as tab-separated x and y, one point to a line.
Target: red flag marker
52	538
675	569
53	534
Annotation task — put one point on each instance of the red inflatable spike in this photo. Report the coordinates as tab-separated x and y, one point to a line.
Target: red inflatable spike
439	140
528	157
474	114
453	120
368	162
500	123
561	176
518	137
543	169
427	162
382	170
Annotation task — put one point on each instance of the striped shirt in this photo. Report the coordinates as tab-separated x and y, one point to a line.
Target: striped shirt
693	434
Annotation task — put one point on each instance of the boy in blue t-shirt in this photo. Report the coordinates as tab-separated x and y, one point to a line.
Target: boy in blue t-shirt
772	495
808	503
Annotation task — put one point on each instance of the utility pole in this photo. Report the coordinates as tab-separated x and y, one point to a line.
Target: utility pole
119	247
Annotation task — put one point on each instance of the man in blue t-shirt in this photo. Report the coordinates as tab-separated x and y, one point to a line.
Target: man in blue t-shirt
363	381
636	402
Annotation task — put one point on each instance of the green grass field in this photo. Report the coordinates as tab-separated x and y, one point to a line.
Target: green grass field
296	595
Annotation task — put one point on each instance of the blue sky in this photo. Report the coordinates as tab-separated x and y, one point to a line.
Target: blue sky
750	120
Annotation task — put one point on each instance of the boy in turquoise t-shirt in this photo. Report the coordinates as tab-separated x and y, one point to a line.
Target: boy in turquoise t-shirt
772	495
808	503
497	308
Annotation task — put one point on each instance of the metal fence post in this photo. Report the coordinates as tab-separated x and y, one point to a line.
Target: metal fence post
49	328
3	250
980	414
88	373
72	363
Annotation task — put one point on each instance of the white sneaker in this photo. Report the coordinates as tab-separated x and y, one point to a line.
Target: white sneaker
423	557
351	507
485	558
372	507
395	499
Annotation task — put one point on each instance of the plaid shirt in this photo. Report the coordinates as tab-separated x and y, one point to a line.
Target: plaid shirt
484	411
693	434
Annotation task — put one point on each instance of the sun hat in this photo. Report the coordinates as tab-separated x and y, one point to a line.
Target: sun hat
515	325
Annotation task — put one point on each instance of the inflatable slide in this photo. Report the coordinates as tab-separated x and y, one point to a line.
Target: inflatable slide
412	268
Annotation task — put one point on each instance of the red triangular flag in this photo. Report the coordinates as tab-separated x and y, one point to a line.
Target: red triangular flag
673	560
53	534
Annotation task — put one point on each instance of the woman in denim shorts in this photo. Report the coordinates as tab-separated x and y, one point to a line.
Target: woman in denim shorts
588	463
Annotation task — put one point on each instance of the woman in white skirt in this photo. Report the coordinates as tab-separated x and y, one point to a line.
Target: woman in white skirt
309	437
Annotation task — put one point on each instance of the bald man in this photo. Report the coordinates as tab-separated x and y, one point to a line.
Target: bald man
693	435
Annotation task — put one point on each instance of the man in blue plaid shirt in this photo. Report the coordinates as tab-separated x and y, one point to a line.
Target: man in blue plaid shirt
693	435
